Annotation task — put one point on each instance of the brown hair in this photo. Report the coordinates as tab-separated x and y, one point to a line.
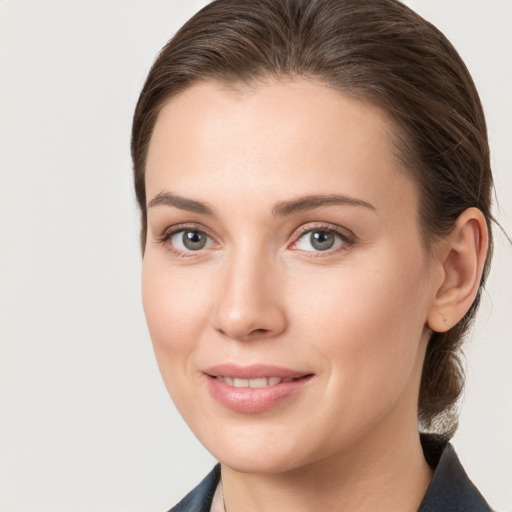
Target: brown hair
376	50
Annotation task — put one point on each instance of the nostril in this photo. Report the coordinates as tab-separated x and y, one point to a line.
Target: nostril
259	331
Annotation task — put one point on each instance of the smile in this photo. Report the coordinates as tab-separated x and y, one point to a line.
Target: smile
256	388
260	382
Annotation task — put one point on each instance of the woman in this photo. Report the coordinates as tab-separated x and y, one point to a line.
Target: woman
314	183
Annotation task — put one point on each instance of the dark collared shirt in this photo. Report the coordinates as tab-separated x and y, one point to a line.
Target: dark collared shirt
451	490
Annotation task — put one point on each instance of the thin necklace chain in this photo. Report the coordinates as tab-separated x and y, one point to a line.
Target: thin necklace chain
223	499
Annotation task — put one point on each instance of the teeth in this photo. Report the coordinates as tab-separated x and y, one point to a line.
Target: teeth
261	382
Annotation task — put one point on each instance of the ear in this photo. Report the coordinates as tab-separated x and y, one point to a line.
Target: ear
461	257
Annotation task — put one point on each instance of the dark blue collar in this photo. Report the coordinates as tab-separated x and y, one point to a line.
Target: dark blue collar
450	491
200	498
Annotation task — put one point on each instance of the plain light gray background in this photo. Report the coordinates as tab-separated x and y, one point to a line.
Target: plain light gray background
85	421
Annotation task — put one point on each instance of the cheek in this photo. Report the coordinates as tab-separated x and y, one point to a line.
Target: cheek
175	305
367	324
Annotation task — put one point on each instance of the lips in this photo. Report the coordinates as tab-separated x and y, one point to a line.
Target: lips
259	382
256	388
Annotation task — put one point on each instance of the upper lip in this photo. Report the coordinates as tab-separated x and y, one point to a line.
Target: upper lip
254	371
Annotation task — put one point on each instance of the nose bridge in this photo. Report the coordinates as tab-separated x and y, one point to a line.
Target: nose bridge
248	303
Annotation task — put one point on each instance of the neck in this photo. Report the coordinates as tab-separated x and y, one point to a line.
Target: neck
371	475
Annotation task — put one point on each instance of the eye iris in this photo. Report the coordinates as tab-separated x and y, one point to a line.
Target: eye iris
322	240
194	240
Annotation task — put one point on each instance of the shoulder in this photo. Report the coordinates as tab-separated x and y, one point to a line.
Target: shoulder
200	498
451	489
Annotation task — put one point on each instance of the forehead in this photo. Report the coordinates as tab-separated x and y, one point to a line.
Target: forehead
294	136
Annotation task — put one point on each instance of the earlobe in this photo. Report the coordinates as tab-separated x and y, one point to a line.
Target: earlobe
462	257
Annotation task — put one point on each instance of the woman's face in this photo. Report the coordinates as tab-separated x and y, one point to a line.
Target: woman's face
284	281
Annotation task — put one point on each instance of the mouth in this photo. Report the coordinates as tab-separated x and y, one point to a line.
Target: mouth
259	382
256	388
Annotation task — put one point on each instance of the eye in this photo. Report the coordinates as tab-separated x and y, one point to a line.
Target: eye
187	240
320	240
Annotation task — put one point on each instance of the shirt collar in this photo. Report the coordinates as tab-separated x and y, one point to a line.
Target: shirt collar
450	489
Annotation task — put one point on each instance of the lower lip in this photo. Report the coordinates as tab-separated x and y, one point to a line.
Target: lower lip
254	400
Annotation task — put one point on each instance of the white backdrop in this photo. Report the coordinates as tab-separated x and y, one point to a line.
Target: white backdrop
85	421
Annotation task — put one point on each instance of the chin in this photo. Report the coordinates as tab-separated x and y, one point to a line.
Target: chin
266	464
258	454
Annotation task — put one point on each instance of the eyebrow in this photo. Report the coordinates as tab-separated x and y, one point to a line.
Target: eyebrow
283	208
190	205
280	209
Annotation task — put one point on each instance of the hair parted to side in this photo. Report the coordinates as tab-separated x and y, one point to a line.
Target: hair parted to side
375	50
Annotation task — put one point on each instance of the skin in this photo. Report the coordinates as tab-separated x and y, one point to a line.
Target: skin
356	316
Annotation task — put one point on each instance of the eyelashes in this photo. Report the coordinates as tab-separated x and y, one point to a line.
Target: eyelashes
322	238
313	239
186	240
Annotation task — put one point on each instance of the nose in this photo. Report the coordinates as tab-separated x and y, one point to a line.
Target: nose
249	305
